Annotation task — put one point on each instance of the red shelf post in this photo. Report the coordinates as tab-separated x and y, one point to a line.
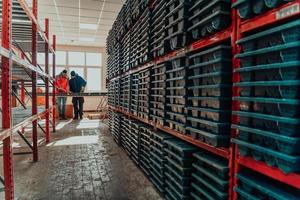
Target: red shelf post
34	77
53	88
6	97
47	81
235	105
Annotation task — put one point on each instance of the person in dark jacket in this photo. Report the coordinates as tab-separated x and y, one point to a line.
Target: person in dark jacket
77	84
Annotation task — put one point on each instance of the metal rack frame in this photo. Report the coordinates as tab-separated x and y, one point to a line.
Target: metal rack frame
234	32
18	38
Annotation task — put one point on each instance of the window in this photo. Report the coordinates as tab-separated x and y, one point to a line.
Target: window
61	57
41	59
94	59
76	58
85	64
93	79
78	70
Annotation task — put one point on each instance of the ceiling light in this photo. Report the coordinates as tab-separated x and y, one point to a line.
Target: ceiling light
86	39
88	26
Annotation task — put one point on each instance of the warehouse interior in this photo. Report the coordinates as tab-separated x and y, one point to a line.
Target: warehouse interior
150	100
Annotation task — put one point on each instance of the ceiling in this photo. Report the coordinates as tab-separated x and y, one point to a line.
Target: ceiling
79	22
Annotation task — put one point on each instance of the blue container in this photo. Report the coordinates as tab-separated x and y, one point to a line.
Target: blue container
181	148
217	128
286	163
207	188
210	78
283	125
280	107
284	144
173	194
216	54
219	90
244	8
218	165
221	103
273	89
209	114
268	72
209	18
250	8
209	138
210	177
255	186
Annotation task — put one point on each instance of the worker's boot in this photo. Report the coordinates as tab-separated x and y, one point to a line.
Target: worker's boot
63	117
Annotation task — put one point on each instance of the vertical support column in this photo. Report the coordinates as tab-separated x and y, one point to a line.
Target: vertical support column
54	88
47	81
34	77
6	98
235	104
22	92
22	96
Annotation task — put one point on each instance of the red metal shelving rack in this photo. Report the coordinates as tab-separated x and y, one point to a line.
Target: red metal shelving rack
218	37
234	32
278	15
14	44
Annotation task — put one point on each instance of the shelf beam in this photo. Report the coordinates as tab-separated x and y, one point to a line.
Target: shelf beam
291	179
276	15
223	152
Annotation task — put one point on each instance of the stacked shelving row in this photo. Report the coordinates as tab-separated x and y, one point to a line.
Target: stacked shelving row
266	95
209	98
158	92
210	177
145	141
135	142
176	92
140	52
158	159
126	134
21	39
158	34
239	94
143	101
134	94
128	40
115	126
177	169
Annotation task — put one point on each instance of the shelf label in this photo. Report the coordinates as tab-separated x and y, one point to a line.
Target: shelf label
288	11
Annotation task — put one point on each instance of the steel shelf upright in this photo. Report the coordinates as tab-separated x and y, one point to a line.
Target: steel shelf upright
21	38
260	29
6	106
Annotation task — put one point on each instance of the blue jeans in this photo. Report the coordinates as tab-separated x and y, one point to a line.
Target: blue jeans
61	105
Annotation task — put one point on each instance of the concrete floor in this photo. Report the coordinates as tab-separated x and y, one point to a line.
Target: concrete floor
82	162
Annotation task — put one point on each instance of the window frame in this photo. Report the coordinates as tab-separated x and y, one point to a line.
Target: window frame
85	67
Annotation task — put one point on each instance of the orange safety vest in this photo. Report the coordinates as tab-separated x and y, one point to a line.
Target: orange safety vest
63	83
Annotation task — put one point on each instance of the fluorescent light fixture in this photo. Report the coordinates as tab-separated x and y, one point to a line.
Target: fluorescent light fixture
88	26
86	39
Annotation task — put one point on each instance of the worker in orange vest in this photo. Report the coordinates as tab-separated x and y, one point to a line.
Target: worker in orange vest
62	87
